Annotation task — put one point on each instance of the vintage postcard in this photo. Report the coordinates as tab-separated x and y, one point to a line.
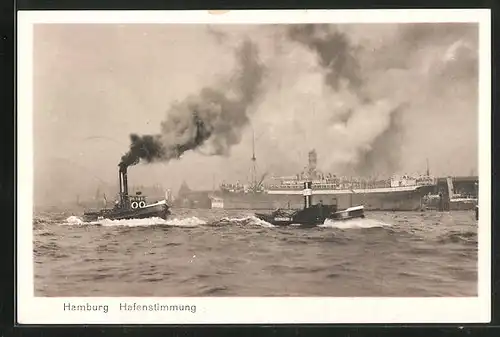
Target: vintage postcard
197	167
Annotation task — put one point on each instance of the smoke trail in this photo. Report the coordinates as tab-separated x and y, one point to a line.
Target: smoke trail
214	117
386	145
429	71
336	53
342	72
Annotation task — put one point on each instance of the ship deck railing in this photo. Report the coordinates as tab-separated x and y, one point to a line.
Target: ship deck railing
344	186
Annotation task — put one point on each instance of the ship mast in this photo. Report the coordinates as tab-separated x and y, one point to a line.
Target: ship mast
254	164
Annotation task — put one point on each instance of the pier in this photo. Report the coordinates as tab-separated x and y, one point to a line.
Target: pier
455	193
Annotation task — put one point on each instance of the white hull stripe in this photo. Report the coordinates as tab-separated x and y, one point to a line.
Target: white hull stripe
360	191
163	202
471	200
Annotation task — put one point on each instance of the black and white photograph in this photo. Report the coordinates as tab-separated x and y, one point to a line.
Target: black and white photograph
179	163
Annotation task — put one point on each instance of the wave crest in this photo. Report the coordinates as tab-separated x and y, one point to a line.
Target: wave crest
354	223
175	222
226	221
244	221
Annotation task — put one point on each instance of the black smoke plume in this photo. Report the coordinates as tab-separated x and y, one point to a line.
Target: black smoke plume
386	146
214	117
417	69
142	147
335	52
340	60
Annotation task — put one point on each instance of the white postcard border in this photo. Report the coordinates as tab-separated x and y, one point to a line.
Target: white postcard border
39	310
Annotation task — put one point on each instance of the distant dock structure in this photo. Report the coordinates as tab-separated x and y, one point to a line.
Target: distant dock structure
454	193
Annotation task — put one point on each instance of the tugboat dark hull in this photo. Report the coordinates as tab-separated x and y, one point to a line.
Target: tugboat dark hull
159	210
311	217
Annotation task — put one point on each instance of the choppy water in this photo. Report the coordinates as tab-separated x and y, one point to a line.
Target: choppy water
221	253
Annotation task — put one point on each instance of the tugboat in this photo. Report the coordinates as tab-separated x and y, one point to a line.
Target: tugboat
311	215
129	206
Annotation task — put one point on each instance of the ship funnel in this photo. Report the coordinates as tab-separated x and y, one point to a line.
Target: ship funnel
123	186
120	182
307	193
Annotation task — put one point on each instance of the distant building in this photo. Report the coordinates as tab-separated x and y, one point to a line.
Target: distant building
188	198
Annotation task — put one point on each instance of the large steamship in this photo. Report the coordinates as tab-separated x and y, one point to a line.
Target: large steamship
404	193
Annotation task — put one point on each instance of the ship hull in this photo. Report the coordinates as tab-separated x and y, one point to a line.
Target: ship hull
313	216
160	210
451	205
394	200
463	205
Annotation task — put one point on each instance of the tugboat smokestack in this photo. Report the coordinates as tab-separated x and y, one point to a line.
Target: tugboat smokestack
307	194
123	185
120	182
125	182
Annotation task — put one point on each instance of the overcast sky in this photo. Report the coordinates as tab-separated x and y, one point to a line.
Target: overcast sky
371	99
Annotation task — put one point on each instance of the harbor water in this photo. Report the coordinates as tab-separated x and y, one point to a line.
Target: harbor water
232	253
